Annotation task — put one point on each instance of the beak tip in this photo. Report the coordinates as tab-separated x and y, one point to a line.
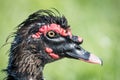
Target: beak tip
95	59
101	63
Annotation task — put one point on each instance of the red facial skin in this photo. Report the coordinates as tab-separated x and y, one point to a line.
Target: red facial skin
36	35
55	28
44	29
51	54
80	39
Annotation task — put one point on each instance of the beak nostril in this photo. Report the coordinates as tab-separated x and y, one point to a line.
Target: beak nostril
77	47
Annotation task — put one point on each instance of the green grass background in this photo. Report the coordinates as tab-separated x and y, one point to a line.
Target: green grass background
96	21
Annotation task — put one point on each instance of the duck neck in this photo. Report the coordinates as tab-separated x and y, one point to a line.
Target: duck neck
25	67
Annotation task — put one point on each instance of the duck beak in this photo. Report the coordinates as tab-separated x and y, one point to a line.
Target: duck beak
81	54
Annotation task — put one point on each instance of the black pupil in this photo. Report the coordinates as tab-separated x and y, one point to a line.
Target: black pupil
52	33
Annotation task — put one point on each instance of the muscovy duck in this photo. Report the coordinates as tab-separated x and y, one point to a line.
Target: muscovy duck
43	38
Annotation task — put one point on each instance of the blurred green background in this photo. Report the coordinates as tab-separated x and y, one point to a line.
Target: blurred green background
96	21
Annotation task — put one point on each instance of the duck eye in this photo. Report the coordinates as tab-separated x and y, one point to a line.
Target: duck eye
51	34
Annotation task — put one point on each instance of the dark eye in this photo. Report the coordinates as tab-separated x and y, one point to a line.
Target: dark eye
51	34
